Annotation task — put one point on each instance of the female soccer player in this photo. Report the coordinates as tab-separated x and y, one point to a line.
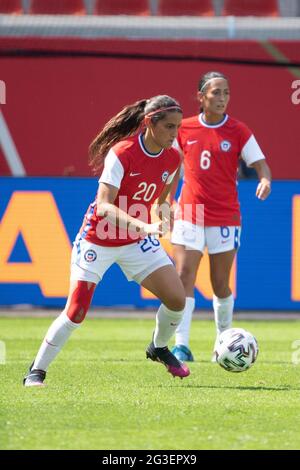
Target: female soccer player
134	156
212	144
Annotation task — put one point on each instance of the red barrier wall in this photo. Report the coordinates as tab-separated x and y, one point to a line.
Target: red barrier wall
55	106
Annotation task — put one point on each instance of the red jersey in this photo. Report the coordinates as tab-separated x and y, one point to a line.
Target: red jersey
211	154
140	177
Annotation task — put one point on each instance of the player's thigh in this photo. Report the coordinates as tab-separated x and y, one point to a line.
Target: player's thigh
165	284
222	245
139	260
188	245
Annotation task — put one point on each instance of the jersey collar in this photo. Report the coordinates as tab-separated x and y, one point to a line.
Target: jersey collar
152	155
213	126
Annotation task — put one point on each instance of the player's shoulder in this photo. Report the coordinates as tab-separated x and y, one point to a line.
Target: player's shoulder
126	146
190	122
174	154
235	125
126	149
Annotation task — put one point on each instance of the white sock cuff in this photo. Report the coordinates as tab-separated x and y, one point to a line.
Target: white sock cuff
173	314
190	303
224	301
65	320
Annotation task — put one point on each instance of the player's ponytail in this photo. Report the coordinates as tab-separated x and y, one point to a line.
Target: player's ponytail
123	125
126	123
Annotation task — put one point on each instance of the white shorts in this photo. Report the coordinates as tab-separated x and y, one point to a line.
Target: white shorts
216	239
90	262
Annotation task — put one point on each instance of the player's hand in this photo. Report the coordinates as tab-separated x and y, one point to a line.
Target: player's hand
166	214
263	189
151	229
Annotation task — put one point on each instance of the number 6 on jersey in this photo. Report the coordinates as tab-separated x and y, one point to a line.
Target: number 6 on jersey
205	159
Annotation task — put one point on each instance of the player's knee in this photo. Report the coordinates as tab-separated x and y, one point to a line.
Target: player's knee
176	302
76	312
80	301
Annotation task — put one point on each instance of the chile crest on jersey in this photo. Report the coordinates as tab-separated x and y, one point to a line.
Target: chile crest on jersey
225	145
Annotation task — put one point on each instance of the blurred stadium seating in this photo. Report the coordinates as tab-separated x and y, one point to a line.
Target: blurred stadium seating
260	8
185	7
11	6
119	7
251	7
57	7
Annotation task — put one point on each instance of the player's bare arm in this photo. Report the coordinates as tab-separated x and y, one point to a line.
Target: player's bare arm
164	209
165	202
264	175
106	208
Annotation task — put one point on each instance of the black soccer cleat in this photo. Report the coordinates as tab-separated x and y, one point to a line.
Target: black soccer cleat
34	378
164	355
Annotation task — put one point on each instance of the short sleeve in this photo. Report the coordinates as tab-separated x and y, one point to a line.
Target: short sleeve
251	151
113	171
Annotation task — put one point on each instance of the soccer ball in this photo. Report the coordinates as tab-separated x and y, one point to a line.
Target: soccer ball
237	350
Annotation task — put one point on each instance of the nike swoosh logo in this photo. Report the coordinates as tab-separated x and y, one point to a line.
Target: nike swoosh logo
134	174
190	142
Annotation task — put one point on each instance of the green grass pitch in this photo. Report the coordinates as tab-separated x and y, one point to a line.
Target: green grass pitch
103	394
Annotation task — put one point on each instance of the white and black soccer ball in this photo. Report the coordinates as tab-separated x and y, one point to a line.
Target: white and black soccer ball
237	350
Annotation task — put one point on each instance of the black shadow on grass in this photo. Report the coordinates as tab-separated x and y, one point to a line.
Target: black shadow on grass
238	387
258	361
139	359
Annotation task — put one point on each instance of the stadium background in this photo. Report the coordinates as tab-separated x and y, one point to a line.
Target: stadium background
62	77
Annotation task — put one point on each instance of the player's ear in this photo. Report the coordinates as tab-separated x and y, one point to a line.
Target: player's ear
200	96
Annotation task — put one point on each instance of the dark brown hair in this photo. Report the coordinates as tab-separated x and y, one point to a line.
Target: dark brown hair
126	123
208	76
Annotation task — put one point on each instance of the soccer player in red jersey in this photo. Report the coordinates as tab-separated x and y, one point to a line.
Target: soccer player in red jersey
134	157
208	213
